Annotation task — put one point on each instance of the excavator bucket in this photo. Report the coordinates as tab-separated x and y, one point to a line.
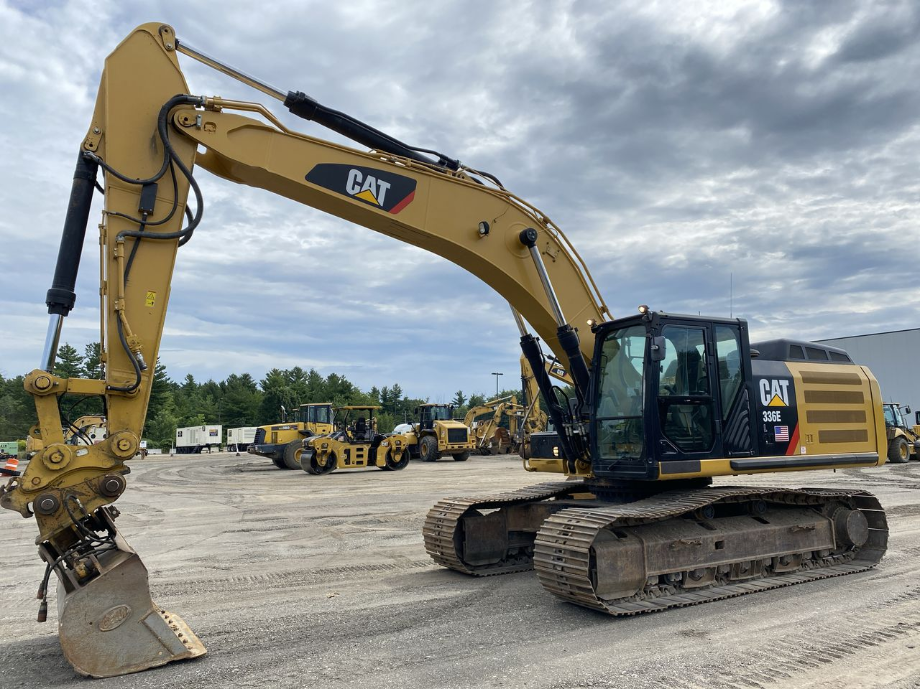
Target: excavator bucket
110	626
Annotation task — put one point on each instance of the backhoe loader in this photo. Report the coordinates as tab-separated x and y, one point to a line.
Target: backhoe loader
903	441
283	442
659	404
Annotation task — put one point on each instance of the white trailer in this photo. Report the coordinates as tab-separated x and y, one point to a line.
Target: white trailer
239	439
194	439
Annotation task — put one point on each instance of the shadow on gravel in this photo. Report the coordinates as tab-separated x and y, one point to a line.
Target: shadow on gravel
36	662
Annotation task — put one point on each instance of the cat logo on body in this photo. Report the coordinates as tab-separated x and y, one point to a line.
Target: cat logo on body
381	189
372	189
774	393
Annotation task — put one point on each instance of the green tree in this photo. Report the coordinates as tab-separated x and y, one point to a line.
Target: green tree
459	399
161	428
160	387
92	361
69	362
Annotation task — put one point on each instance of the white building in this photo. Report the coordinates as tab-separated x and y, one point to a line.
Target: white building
894	359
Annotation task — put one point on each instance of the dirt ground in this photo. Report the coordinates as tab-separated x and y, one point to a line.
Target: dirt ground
294	580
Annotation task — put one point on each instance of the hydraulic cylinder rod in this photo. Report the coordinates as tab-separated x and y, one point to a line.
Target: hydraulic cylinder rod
61	297
308	108
568	337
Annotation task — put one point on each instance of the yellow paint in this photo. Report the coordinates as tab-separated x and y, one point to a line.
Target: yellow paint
366	195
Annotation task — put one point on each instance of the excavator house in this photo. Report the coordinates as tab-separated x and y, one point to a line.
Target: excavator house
660	404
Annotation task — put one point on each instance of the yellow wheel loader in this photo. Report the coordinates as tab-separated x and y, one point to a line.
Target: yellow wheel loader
283	442
660	403
436	433
354	444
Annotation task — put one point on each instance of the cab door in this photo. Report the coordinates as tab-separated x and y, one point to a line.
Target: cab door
688	418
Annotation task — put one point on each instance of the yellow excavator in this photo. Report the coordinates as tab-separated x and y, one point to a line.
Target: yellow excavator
660	403
486	431
484	420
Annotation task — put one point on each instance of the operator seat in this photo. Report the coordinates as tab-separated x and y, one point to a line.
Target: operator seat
361	429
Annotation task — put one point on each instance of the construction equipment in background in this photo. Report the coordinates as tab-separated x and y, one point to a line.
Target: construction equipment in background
86	430
534	419
355	444
489	436
660	403
903	441
193	440
436	433
283	442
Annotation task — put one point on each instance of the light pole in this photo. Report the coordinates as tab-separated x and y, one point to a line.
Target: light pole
496	381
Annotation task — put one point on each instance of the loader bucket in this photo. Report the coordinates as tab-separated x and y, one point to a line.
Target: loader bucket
110	626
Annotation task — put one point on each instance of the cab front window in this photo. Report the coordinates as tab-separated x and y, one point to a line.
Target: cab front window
620	430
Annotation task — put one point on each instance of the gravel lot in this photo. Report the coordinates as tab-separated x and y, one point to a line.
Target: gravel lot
294	580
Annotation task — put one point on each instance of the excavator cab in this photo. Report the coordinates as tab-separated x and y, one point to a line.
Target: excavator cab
685	397
663	387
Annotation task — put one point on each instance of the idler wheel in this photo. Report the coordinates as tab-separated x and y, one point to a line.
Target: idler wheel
851	527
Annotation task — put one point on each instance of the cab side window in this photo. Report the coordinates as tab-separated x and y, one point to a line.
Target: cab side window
728	351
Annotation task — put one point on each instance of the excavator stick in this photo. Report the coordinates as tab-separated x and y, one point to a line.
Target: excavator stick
107	623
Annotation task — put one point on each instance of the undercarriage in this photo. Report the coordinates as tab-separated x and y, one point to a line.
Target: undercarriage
632	552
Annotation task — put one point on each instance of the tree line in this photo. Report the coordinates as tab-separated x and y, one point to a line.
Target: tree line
238	400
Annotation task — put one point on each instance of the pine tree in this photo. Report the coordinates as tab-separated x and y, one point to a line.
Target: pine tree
92	361
69	362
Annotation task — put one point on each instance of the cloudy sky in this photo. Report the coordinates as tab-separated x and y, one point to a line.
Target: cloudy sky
683	146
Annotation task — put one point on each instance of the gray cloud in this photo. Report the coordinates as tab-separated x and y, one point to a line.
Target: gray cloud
677	144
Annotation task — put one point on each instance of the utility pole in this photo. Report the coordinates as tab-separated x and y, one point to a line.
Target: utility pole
496	381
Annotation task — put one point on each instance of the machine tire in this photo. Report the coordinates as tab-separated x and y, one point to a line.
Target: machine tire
428	449
292	452
462	457
315	467
396	466
524	450
898	451
278	461
308	462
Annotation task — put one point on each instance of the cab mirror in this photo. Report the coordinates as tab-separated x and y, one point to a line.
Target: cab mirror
659	349
907	410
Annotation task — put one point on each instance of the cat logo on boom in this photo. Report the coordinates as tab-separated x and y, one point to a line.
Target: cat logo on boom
378	188
774	392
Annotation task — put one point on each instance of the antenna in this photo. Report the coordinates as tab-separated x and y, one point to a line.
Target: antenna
731	295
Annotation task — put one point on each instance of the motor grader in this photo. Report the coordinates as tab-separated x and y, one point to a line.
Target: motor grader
660	403
354	444
283	442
